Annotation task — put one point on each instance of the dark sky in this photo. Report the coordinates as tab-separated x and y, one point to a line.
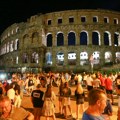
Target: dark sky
15	11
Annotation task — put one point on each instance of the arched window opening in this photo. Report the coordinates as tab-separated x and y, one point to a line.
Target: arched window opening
16	46
96	57
11	46
60	39
83	58
35	37
95	38
117	60
25	58
25	40
49	40
71	38
8	48
107	39
108	57
116	39
60	58
17	58
34	58
48	58
83	38
72	58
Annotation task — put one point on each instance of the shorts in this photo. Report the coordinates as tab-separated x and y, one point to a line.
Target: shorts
37	111
60	98
66	101
80	101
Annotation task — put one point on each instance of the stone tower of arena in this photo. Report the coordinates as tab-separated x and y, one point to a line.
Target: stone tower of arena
72	40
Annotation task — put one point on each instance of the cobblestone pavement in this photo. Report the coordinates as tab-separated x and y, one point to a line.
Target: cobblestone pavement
26	103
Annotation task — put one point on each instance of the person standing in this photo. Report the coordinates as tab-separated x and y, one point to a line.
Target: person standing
18	100
61	97
30	84
109	88
89	82
11	93
96	82
9	112
37	101
49	105
102	79
117	80
79	94
97	102
66	99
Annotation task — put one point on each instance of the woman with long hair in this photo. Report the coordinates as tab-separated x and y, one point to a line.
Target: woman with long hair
49	105
66	99
61	97
79	94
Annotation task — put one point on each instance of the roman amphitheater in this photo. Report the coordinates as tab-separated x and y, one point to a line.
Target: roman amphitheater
72	40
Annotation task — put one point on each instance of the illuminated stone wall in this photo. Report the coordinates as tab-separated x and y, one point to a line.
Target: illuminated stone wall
62	41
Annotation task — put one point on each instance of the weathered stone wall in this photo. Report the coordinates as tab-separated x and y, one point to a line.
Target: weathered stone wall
34	31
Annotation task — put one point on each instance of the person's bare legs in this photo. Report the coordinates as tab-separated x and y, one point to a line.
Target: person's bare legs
69	107
60	107
82	107
47	118
65	111
112	99
54	118
77	111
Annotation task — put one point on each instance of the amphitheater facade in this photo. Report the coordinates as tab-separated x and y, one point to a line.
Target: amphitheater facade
72	40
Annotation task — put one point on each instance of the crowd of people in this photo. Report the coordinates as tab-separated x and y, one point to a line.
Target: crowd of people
100	88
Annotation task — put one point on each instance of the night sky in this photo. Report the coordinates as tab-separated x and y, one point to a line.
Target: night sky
15	11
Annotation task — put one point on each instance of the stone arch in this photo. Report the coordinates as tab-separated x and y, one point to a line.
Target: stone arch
17	29
107	38
17	59
8	47
34	57
49	58
25	39
95	38
49	40
117	55
108	57
11	46
83	38
96	57
16	46
116	36
83	58
119	39
60	58
35	37
71	58
71	38
25	58
60	39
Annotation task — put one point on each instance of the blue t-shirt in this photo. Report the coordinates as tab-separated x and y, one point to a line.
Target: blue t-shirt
91	117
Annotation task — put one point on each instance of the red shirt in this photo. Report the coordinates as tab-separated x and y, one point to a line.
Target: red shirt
108	84
102	79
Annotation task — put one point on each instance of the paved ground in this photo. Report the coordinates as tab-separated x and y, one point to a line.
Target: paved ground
26	103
